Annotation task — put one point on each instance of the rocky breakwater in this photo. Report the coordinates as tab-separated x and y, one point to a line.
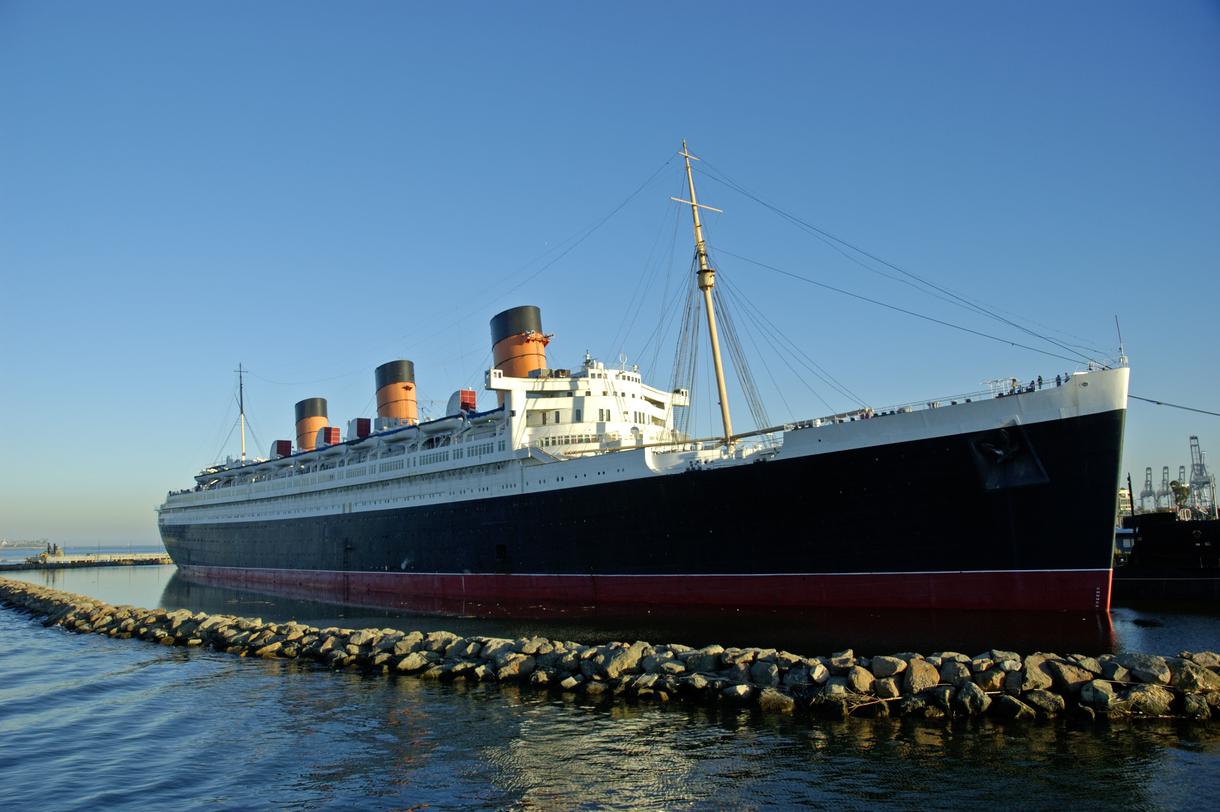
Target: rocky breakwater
997	684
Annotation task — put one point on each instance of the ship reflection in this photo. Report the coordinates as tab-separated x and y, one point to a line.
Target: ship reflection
809	631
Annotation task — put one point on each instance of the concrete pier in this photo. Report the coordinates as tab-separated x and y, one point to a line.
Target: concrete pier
66	562
998	684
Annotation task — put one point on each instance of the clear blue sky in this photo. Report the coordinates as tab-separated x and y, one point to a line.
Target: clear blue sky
311	189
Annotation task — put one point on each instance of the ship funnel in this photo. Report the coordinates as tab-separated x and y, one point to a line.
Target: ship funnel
518	345
311	416
396	391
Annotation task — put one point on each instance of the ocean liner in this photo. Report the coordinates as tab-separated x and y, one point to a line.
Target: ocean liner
580	488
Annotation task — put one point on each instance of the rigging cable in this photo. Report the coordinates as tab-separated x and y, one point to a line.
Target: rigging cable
726	181
745	377
780	350
634	307
932	319
729	289
770	330
1174	405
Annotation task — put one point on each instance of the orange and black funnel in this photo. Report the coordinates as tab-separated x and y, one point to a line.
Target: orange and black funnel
518	345
396	391
311	416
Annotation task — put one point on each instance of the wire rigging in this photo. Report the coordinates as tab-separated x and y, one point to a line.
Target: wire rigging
898	309
1173	405
821	233
745	377
769	329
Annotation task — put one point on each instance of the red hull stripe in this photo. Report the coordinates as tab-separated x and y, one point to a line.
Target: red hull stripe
1087	590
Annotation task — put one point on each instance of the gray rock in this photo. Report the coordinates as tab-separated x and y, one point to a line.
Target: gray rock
1190	676
887	688
385	642
1194	706
990	680
1098	694
536	645
571	683
438	641
840	661
1046	703
773	701
787	659
673	667
463	669
738	656
1009	707
1008	666
1035	674
954	672
835	687
818	673
1207	659
362	637
646	681
952	657
492	647
616	662
706	659
516	666
1150	700
980	664
415	661
1068	678
1114	672
941	697
919	676
694	682
971	700
765	674
908	655
860	680
797	675
737	694
1090	664
1147	668
888	666
1002	656
269	650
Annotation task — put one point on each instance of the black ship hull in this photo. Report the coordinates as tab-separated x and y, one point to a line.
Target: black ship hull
1171	561
1020	518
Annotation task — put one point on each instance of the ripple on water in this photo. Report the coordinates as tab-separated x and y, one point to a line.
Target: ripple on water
90	722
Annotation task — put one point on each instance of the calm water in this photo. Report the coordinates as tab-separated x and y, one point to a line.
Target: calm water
89	722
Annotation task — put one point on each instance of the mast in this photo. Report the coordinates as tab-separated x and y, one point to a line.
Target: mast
241	405
707	281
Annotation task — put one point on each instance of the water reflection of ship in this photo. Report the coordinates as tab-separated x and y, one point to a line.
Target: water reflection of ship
815	631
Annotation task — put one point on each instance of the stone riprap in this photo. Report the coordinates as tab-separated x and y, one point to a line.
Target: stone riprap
996	684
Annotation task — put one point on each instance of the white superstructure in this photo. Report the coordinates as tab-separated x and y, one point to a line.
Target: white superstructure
563	429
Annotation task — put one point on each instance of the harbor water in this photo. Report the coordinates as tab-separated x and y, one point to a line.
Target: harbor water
91	722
